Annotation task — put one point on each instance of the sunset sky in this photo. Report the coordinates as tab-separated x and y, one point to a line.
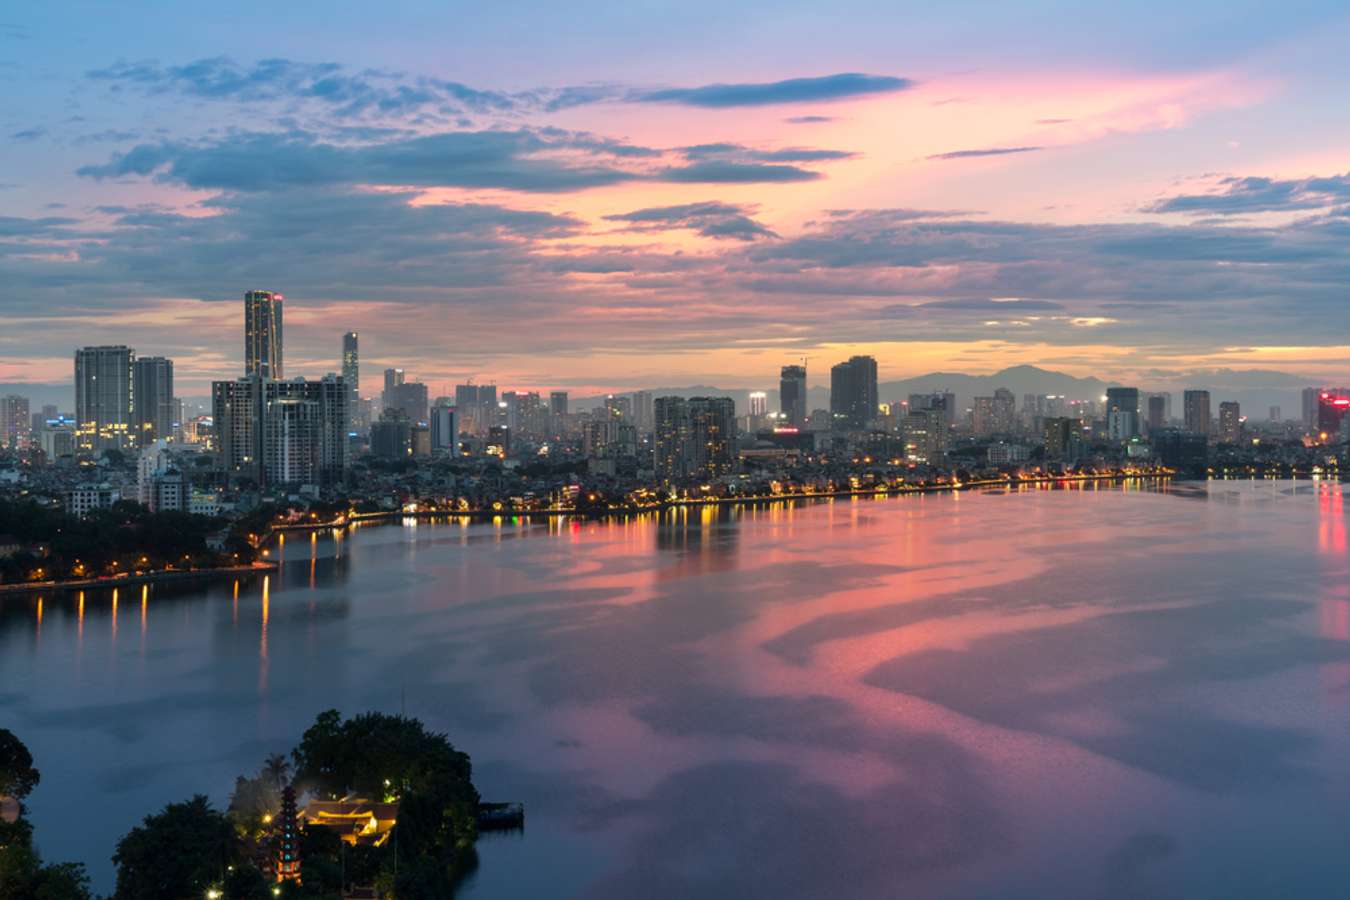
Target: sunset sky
594	196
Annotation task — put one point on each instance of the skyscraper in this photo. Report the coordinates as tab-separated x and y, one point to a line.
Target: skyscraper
759	404
15	422
152	390
1197	416
792	395
642	411
444	430
104	397
557	403
853	392
262	334
1230	422
351	373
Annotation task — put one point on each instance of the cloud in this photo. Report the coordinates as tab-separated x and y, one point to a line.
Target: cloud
28	134
1254	194
739	152
791	90
986	151
531	160
709	219
986	305
720	172
808	120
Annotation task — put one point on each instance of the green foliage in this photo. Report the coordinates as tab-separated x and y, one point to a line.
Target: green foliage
125	533
23	876
17	775
176	853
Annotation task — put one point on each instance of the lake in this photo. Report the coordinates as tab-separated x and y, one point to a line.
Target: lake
1086	692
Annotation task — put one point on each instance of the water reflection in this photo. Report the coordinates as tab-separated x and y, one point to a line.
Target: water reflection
1073	692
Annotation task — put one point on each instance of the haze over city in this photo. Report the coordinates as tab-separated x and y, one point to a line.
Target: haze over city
584	198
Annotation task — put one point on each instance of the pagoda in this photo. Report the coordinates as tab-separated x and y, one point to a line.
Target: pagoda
287	836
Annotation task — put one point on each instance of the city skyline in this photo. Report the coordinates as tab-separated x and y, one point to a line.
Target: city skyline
618	220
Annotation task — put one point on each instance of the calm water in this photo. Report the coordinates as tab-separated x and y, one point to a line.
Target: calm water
1077	693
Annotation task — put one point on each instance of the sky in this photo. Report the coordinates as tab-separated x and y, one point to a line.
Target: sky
599	196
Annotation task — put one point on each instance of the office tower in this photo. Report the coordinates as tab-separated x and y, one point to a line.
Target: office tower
1312	398
1197	417
557	404
759	404
281	432
944	401
1063	439
444	429
1157	412
104	397
925	435
1122	400
1275	414
15	423
351	375
152	389
498	442
1230	422
1182	450
391	436
853	393
262	334
792	395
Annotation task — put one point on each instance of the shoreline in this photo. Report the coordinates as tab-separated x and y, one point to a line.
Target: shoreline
619	511
38	587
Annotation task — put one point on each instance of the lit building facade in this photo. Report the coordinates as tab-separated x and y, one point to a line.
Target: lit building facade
262	335
853	392
792	395
152	389
104	397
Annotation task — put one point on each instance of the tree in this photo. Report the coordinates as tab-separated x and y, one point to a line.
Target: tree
17	775
277	770
177	853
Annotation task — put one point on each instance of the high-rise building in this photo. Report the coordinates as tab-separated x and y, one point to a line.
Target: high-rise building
1332	407
391	435
15	421
351	374
1197	415
792	395
695	438
1275	415
1157	412
104	397
262	334
1122	400
1312	398
759	404
282	432
409	397
1005	411
853	392
619	407
557	404
152	389
1063	438
642	411
945	401
925	435
444	429
1230	422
